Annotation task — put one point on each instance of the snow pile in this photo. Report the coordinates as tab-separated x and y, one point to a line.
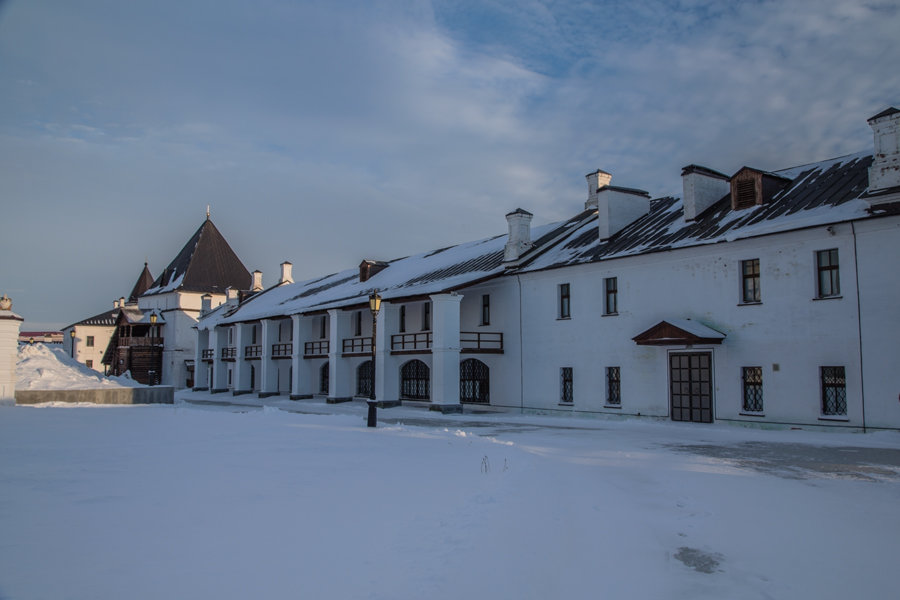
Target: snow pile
40	367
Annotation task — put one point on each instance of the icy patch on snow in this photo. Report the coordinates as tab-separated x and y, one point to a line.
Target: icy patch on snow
40	367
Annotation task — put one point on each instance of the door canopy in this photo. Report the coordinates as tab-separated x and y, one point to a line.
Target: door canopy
679	332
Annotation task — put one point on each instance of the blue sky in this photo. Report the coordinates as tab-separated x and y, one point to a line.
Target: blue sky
328	132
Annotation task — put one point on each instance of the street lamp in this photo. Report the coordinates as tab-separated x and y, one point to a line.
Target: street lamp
152	373
72	337
374	306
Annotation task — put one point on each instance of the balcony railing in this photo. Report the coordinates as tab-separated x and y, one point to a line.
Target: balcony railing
283	350
140	341
208	354
411	342
254	351
357	345
318	348
229	353
481	341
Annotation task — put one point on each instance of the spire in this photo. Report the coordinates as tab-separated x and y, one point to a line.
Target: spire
143	283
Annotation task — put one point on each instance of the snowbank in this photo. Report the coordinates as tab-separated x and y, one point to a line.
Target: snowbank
40	367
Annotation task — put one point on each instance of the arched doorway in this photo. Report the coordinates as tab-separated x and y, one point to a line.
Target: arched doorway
415	380
365	378
323	378
474	382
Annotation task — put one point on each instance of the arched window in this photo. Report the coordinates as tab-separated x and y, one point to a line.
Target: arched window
365	377
414	380
474	382
323	378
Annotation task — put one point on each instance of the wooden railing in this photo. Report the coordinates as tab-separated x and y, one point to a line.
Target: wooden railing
140	341
357	345
254	351
208	354
229	353
315	348
283	350
411	341
481	341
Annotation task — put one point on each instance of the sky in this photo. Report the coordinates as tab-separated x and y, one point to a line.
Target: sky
327	132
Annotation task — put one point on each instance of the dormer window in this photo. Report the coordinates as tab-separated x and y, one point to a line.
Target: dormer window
751	187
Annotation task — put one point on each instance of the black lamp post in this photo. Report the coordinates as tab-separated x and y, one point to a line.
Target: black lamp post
152	374
374	306
72	337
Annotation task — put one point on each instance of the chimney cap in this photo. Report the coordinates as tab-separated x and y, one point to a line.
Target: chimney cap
624	190
519	211
598	171
885	113
703	171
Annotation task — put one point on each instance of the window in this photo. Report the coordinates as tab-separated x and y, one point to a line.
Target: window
612	296
90	342
834	391
365	377
357	323
750	291
474	382
751	378
613	386
486	309
403	318
414	380
566	393
253	335
89	364
426	316
829	282
322	328
231	336
565	311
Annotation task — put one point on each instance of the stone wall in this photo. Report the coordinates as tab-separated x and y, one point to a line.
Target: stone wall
145	395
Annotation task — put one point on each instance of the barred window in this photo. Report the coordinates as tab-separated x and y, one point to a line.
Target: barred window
612	296
834	391
613	386
829	280
750	291
753	391
566	393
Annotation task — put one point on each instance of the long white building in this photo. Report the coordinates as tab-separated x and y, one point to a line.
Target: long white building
759	297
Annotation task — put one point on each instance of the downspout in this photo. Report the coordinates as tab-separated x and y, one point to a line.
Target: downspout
862	379
521	351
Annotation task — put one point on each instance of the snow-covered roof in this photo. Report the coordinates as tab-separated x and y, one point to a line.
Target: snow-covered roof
817	194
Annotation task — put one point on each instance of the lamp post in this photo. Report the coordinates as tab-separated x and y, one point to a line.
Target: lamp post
72	338
152	373
374	306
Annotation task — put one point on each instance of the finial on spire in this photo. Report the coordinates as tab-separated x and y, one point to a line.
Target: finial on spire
207	212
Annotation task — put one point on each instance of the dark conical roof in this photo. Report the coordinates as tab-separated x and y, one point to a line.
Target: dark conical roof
205	264
143	283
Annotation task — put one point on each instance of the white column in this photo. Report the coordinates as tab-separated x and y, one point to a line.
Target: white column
339	377
387	377
296	358
241	377
10	323
445	352
268	370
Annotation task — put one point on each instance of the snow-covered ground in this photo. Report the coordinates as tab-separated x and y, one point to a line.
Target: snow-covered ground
41	367
190	501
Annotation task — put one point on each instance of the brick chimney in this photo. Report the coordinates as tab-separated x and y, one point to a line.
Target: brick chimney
519	241
257	281
286	276
702	188
595	181
884	174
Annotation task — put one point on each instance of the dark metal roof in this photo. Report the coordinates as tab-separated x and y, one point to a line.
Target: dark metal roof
104	319
888	111
143	283
205	264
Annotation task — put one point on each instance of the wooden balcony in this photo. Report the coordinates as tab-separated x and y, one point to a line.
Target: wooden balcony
208	354
411	343
357	346
132	342
283	350
484	342
317	349
229	353
253	352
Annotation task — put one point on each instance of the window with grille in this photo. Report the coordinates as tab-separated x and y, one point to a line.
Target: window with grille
612	296
414	380
565	311
752	385
566	392
829	281
323	378
486	309
834	391
365	378
613	386
750	290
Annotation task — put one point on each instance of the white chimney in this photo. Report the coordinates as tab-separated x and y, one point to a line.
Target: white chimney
257	281
884	173
595	181
205	303
519	241
702	188
286	273
122	302
619	207
231	295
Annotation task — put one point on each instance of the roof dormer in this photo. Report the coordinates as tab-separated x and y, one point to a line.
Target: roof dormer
752	187
368	268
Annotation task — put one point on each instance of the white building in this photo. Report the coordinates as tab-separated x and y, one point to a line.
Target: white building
760	297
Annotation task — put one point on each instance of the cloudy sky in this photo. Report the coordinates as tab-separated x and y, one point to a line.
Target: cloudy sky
328	132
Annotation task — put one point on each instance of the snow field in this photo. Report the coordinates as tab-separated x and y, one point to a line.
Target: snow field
149	502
